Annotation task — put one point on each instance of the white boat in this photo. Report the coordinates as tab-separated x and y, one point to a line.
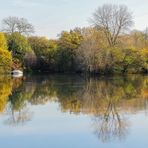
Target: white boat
17	73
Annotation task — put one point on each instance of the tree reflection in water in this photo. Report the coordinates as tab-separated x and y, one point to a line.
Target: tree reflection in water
107	99
111	124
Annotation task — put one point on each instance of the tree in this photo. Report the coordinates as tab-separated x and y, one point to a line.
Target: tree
127	60
5	61
68	45
30	61
138	39
144	59
113	20
146	36
56	55
19	46
15	24
5	55
90	52
70	40
3	41
45	51
40	45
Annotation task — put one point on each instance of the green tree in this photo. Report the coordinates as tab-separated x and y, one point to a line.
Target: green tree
127	60
68	44
144	58
45	51
19	46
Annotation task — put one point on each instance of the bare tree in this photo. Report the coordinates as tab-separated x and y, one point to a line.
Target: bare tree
92	54
88	50
15	24
146	36
113	20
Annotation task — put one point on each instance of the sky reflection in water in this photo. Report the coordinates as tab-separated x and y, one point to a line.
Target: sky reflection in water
72	111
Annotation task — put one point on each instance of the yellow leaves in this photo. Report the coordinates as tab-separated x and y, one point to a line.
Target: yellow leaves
144	57
144	52
5	55
3	42
70	40
5	60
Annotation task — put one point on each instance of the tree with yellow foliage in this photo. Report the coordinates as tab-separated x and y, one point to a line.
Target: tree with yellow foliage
3	42
5	55
144	57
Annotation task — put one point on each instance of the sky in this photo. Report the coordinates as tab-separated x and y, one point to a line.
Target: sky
50	17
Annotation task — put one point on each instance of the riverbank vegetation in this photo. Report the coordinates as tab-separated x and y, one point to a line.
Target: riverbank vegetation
108	46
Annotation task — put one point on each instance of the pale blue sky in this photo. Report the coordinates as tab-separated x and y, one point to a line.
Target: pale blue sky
50	17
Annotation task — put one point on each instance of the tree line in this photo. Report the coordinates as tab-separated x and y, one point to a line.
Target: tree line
107	46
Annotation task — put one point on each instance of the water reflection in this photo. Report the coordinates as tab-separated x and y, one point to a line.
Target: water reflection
107	100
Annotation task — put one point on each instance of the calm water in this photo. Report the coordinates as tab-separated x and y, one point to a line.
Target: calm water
74	112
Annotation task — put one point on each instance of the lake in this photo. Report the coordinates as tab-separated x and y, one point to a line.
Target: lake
63	111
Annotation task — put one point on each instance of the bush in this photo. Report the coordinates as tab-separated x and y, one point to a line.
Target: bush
5	61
